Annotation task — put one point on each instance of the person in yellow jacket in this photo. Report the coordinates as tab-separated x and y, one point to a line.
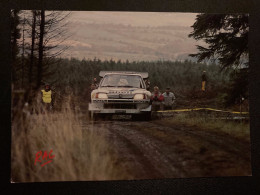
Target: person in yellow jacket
203	81
47	97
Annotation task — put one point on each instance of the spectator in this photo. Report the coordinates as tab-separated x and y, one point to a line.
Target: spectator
95	83
47	98
169	99
204	80
156	99
147	83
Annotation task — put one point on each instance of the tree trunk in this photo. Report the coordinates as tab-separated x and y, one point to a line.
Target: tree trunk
22	85
42	24
32	48
15	35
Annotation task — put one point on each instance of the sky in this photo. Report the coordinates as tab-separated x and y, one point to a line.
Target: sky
133	36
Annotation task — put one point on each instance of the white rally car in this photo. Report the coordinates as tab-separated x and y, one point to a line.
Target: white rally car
121	92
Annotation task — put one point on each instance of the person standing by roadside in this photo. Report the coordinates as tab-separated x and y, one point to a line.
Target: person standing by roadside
93	86
169	99
47	98
156	99
95	82
204	80
147	83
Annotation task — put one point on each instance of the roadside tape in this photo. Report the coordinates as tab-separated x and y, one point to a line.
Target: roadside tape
180	110
194	109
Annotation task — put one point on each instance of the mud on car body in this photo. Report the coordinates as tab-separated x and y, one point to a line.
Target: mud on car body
121	92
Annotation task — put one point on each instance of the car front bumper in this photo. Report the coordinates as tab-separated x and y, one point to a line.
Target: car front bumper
141	107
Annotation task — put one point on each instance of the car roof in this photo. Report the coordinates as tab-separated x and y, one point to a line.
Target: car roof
122	74
142	74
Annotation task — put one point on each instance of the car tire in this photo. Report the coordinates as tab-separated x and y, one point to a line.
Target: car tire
93	116
142	117
148	116
136	117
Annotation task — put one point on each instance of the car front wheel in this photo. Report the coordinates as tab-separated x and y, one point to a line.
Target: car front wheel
142	117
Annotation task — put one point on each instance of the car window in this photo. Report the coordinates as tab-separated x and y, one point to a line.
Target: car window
114	80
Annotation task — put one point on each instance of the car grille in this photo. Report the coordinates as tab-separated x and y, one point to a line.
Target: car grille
120	96
119	106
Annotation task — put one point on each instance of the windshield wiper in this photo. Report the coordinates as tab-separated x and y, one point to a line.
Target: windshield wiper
127	86
109	86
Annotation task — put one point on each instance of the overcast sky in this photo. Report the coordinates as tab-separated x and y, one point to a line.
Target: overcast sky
130	35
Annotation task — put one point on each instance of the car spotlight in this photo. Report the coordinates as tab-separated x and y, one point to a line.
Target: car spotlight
139	96
101	96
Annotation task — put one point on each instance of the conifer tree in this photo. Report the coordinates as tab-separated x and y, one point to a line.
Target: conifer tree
15	36
227	38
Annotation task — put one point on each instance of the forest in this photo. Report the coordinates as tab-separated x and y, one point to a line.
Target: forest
181	77
36	42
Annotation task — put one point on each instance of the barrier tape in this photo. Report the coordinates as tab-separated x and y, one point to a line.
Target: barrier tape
181	110
194	109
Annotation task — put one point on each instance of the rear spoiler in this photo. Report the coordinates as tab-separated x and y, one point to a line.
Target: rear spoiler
144	75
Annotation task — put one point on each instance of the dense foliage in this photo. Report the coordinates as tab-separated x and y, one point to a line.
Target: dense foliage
180	76
226	36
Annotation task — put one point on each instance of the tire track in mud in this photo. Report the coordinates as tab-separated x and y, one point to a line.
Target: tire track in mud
128	155
154	158
142	165
219	141
158	154
147	156
170	160
219	150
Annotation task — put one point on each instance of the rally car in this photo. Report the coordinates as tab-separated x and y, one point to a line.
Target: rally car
121	93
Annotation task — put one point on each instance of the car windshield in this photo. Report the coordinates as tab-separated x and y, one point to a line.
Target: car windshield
115	80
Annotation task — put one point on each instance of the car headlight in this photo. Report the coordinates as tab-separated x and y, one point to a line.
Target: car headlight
139	97
101	95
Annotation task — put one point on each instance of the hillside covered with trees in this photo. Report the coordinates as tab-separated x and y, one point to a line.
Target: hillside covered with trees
36	34
184	78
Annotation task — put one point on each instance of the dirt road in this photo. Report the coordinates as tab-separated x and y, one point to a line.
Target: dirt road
153	149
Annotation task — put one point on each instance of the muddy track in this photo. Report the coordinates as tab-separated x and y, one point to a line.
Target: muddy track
219	141
154	150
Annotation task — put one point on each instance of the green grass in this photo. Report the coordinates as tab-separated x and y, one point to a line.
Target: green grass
240	130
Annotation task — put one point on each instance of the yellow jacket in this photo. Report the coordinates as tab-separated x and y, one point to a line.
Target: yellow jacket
46	96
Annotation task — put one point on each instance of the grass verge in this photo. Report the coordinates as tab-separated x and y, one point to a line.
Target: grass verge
80	153
237	129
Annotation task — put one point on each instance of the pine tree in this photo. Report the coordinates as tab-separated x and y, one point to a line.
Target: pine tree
40	51
15	36
33	37
227	38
